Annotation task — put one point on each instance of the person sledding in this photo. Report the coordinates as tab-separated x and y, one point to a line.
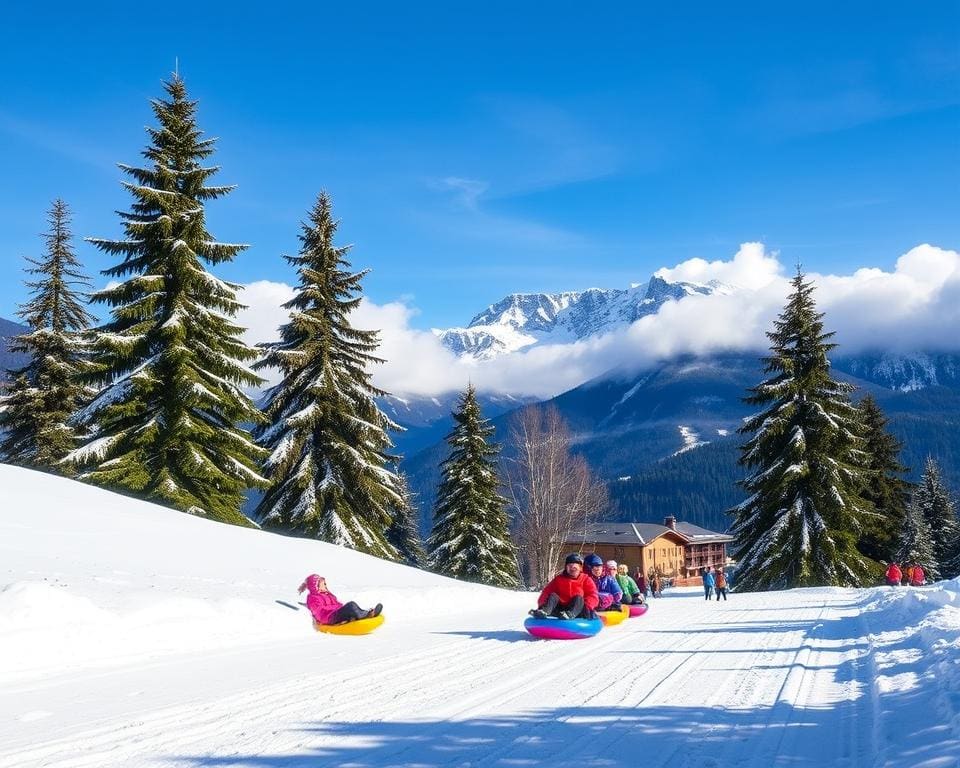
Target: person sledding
608	590
570	595
631	590
894	575
325	607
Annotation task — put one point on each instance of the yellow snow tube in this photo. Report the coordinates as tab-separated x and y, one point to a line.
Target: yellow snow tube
611	618
358	627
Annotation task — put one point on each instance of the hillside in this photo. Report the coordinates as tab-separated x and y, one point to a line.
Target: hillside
665	438
8	359
135	636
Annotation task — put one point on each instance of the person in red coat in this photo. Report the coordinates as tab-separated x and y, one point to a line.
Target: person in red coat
917	576
894	574
572	594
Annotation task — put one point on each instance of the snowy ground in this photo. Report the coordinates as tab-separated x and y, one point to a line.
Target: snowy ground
134	636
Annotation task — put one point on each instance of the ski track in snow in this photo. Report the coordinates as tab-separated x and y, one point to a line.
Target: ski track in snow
706	684
136	637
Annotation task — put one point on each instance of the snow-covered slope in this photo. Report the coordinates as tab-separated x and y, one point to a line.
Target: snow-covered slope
134	636
906	372
523	319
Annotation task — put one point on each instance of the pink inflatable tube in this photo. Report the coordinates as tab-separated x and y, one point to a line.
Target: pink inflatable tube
562	629
638	610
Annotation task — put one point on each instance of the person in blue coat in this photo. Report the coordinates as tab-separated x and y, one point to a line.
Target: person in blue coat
607	586
709	582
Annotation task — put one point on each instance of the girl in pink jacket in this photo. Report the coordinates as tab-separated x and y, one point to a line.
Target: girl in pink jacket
325	607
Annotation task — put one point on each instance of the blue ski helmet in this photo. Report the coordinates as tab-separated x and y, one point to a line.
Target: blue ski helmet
573	557
592	560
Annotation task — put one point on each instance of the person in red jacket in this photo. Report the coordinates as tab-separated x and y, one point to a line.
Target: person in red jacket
894	574
917	576
572	594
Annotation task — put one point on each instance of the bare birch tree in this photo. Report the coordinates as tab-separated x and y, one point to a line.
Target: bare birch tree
553	494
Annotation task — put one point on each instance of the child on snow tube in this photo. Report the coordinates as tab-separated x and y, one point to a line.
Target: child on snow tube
608	590
631	592
570	595
325	607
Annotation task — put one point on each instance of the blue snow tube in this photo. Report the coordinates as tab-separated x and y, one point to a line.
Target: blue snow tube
562	629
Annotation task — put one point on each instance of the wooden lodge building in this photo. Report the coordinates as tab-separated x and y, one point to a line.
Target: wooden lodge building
675	550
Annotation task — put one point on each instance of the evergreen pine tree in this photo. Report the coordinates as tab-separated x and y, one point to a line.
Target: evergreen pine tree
43	395
165	427
915	545
326	436
404	531
886	490
802	520
470	538
934	502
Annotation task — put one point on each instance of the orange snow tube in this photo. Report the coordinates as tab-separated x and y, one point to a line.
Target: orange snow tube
358	627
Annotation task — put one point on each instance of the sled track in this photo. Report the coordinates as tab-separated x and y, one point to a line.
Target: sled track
720	658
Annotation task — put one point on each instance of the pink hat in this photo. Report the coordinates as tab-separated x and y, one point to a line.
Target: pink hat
311	583
612	564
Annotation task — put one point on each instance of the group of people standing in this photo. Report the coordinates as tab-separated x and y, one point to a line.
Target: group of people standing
587	585
910	575
714	581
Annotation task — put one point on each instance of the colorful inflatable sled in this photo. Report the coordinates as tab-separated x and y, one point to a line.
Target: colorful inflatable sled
611	618
638	610
562	629
358	627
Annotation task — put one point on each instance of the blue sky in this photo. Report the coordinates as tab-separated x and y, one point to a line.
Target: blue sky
473	150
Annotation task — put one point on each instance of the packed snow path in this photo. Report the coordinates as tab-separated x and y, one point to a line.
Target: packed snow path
819	677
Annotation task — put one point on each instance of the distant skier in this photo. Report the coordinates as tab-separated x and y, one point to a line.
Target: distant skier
917	577
894	575
709	581
325	607
631	591
570	595
607	587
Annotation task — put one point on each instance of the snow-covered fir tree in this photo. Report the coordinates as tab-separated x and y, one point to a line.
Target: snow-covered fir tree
471	538
404	531
326	437
167	425
935	504
886	489
44	394
802	520
915	545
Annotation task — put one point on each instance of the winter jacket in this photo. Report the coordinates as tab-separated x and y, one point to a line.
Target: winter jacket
721	581
567	588
628	585
321	604
894	574
608	591
709	580
917	577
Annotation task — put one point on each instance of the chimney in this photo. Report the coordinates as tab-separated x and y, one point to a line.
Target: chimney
670	522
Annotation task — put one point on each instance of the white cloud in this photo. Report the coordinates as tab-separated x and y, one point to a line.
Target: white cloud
914	307
752	268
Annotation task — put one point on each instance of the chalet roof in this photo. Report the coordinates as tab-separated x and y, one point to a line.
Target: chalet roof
641	534
698	535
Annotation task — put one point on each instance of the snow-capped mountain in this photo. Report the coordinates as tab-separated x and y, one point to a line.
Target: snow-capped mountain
905	372
523	319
